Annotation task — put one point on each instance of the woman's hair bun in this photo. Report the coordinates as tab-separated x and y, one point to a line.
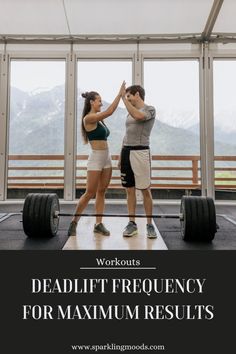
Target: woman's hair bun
85	94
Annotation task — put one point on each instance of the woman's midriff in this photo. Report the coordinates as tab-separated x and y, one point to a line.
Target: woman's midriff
99	144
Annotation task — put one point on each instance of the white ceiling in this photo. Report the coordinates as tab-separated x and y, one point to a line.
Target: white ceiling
112	17
137	16
32	17
226	21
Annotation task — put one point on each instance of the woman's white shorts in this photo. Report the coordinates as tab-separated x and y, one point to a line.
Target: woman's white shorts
98	160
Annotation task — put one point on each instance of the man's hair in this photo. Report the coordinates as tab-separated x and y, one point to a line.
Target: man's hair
136	88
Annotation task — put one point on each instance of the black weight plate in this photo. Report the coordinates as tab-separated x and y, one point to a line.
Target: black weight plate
194	235
25	216
199	218
42	214
51	223
31	210
38	215
186	223
37	200
206	218
212	219
203	219
32	218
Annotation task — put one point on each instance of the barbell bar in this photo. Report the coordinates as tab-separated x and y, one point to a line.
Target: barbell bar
160	216
41	215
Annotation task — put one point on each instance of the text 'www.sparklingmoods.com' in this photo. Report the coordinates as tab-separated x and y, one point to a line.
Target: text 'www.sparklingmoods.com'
118	347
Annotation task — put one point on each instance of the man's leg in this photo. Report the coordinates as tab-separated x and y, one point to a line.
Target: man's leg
131	202
148	206
141	166
131	229
127	178
147	203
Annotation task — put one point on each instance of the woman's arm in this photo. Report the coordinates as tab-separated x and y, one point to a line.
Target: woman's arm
95	117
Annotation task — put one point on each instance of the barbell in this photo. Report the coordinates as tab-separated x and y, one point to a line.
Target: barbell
41	215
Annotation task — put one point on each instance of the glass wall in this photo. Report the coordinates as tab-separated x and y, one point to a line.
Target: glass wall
224	81
104	77
172	87
36	131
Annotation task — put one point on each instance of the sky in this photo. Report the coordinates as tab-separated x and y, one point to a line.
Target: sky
28	75
106	77
224	84
171	86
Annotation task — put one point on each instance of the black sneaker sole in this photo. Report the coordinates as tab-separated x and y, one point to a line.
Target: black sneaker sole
101	233
150	236
132	234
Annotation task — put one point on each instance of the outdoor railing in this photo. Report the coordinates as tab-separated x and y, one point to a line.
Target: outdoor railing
168	171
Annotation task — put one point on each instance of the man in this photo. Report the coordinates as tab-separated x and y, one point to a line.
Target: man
135	160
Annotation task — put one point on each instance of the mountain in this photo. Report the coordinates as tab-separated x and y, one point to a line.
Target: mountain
225	120
37	126
221	135
37	122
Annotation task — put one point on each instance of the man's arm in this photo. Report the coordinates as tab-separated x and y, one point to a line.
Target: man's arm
134	112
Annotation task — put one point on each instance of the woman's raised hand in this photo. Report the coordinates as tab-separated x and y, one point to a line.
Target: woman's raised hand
122	89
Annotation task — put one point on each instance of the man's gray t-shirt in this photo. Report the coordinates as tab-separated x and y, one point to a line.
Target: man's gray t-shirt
138	131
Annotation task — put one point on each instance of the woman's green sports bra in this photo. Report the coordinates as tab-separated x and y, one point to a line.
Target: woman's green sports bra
101	132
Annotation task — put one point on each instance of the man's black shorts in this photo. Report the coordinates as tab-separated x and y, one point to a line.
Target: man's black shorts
136	167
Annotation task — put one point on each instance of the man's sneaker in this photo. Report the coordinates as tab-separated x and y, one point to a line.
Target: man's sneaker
131	229
72	229
151	232
100	229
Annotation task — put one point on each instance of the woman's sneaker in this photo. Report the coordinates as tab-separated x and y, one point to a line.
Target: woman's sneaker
131	229
100	229
151	232
72	229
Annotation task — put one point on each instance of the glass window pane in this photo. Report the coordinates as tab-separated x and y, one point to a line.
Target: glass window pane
172	87
225	128
104	77
36	133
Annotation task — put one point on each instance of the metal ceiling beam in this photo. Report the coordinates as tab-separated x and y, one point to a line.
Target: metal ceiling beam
101	39
223	37
152	39
206	34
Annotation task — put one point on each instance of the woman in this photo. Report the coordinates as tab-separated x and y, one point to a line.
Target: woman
99	166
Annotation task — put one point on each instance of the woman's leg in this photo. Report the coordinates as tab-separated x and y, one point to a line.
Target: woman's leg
93	178
104	181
